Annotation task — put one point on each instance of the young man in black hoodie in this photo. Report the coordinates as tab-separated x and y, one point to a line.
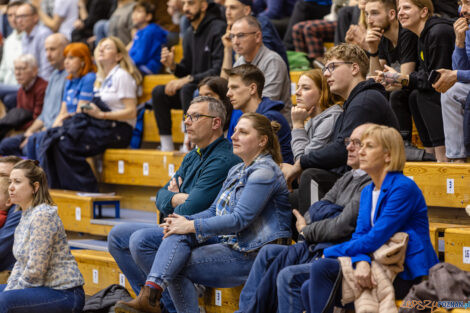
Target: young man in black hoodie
345	70
435	46
202	56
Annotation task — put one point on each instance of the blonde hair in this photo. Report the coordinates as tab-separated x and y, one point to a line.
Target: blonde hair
267	128
391	142
350	53
327	99
125	63
34	174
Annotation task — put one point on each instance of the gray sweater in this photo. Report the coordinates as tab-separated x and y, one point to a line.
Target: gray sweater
317	132
346	192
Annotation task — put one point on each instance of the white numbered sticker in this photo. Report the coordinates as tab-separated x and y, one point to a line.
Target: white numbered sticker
145	168
95	277
466	255
120	167
410	177
450	185
171	170
218	297
78	213
122	280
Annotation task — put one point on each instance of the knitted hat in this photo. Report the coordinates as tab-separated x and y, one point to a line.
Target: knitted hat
247	2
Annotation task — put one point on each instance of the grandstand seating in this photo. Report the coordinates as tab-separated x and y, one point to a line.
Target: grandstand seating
457	247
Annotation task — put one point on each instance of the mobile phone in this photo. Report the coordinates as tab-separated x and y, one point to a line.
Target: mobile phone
434	76
86	107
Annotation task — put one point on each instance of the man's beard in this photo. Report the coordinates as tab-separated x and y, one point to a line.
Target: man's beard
195	17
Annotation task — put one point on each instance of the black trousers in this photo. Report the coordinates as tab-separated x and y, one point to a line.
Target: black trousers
162	105
399	100
425	107
303	11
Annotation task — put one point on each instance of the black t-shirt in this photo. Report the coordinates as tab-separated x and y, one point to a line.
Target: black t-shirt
406	50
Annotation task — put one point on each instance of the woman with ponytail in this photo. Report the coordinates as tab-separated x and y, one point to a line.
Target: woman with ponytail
217	247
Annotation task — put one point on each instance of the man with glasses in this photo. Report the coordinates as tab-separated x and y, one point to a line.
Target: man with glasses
345	70
246	40
245	89
278	272
191	190
35	34
202	57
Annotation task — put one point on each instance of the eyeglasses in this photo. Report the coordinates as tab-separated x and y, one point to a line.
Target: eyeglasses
332	66
355	142
196	116
23	16
240	35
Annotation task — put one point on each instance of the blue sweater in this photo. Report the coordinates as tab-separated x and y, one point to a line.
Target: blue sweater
400	208
7	260
203	173
147	48
461	60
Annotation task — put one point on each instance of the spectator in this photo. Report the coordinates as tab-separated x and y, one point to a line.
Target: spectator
107	122
400	207
278	272
30	96
274	10
351	26
5	204
11	45
454	86
225	237
309	36
202	57
118	25
7	260
246	38
164	19
345	72
305	10
45	277
146	47
25	144
235	9
191	190
27	21
89	13
64	16
435	47
391	45
245	88
175	10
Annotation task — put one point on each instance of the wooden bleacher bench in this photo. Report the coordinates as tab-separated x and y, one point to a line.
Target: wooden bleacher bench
99	270
457	247
150	132
220	300
139	167
436	232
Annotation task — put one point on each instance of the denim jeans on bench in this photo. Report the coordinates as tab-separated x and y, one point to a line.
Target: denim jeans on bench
42	299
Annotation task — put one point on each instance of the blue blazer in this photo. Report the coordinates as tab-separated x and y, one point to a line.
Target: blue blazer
400	208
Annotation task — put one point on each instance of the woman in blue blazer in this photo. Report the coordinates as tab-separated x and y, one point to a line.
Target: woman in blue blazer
391	203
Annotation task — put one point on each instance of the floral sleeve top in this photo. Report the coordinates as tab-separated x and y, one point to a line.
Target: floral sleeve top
42	253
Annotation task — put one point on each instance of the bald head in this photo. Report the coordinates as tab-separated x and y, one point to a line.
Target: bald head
55	45
355	144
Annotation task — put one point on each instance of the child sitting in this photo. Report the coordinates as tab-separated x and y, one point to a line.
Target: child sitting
146	47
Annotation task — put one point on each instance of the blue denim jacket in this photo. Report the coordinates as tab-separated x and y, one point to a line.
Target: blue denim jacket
260	207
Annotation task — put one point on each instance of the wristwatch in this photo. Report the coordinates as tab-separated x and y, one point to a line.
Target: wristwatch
405	82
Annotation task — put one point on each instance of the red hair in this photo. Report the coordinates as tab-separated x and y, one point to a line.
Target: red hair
80	50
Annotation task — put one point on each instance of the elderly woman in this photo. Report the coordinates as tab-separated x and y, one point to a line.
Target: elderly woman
45	277
106	122
251	210
392	203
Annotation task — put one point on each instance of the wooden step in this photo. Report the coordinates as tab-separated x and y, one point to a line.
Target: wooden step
221	300
139	167
99	271
457	247
150	132
442	184
150	82
89	244
436	232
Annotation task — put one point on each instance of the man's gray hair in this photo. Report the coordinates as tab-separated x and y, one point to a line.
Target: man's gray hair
216	108
251	21
29	59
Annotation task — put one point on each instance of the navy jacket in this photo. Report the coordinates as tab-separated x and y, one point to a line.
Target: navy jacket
367	103
400	208
272	110
203	173
7	260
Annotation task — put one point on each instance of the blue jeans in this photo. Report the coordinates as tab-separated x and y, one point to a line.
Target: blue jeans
32	147
11	146
100	30
289	281
181	261
134	246
42	299
8	95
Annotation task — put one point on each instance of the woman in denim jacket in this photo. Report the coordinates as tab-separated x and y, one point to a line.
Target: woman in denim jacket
217	247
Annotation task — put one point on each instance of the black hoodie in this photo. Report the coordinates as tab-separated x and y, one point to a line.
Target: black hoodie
202	48
367	103
436	44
